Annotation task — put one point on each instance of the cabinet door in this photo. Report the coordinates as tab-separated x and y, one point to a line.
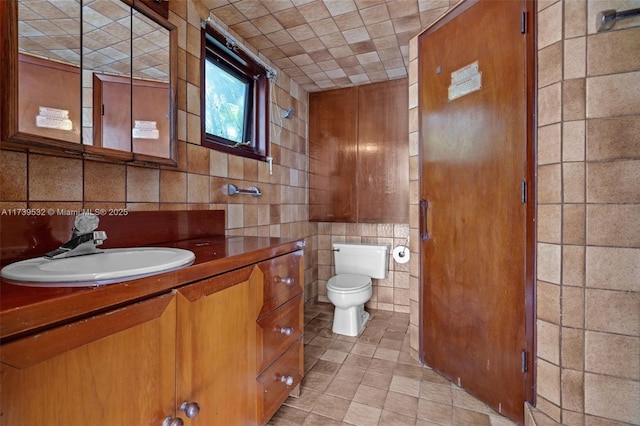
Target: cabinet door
216	347
117	368
332	155
383	152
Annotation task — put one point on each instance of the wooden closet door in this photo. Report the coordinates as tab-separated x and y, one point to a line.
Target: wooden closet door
476	223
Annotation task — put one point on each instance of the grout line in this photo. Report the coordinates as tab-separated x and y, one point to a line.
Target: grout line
317	322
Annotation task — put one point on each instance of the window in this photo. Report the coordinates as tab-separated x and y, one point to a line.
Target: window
228	103
234	98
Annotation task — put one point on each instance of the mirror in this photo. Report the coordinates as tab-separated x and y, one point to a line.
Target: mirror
49	70
150	87
107	91
106	75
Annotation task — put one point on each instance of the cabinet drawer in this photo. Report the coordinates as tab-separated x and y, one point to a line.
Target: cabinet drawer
278	330
283	280
272	384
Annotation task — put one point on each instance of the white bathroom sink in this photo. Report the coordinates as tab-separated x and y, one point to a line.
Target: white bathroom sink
109	266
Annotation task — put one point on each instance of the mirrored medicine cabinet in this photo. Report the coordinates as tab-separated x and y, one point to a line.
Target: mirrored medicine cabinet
94	77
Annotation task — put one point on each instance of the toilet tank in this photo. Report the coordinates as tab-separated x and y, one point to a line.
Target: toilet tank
361	259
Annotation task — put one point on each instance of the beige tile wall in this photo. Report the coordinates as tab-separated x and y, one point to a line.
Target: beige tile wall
51	180
414	198
389	294
588	290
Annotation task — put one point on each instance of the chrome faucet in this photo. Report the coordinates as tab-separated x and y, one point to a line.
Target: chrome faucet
84	238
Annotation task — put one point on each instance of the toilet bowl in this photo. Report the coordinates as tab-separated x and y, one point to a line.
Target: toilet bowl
349	293
351	287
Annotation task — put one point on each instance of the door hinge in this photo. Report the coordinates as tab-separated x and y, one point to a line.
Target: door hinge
523	366
523	22
101	109
523	192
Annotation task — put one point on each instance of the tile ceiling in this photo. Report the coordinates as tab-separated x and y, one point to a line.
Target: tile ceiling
326	44
51	29
320	44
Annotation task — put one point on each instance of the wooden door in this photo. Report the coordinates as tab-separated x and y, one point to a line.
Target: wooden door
333	136
383	149
117	368
476	211
112	112
216	347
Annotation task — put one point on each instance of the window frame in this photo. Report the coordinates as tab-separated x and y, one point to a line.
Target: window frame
215	46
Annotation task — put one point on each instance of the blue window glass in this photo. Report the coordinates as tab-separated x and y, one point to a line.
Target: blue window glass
227	102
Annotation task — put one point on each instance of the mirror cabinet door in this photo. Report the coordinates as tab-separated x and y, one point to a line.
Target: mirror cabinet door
106	76
92	76
151	88
48	62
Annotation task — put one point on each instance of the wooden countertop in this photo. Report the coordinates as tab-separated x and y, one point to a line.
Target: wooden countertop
25	310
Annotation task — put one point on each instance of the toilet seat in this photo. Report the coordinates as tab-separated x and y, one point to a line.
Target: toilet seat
348	283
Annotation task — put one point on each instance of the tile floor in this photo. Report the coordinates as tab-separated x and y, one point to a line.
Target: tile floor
373	380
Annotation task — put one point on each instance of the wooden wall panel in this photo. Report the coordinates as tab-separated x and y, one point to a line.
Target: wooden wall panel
383	152
332	155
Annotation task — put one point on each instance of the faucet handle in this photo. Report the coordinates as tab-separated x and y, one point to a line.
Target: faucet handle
85	222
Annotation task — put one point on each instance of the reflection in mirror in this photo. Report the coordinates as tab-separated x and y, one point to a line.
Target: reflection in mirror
151	115
106	74
67	78
49	69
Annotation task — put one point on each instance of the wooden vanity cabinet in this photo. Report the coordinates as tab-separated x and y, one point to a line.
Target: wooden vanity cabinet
222	344
358	150
239	342
116	368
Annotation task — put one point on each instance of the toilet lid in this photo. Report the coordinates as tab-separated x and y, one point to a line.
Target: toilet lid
348	282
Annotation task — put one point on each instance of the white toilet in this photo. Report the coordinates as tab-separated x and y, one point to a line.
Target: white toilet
350	288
